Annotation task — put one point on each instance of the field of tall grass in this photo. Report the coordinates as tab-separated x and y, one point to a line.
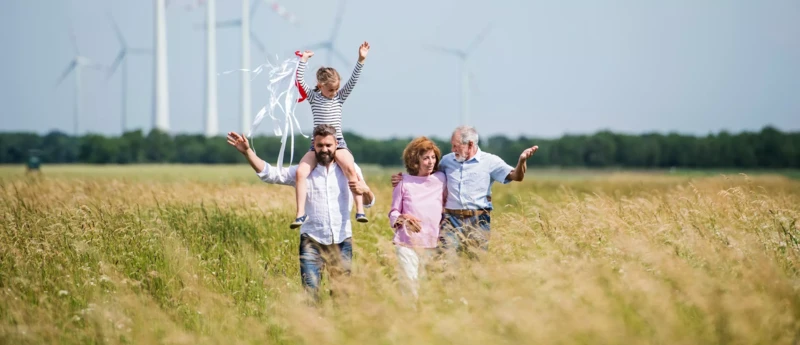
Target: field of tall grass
204	255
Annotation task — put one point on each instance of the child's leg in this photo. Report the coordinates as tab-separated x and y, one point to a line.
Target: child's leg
308	163
346	161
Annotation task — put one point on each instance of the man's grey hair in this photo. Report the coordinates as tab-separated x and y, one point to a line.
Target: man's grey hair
467	134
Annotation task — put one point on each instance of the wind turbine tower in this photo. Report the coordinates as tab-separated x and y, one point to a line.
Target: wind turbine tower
247	34
463	56
160	77
121	61
212	114
76	66
329	43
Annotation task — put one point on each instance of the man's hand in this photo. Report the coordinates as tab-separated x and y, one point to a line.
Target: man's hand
518	174
362	52
411	223
242	145
306	54
396	179
239	142
528	153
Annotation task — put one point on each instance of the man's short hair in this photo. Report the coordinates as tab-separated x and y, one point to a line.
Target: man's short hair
324	130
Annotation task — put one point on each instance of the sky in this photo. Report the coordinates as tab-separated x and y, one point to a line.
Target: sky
545	68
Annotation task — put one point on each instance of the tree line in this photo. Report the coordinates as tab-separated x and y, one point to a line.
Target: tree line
768	149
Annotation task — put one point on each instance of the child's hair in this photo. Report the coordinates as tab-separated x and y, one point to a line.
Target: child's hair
326	75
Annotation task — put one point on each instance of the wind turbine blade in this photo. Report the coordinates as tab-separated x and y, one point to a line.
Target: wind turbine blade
117	31
66	72
320	45
254	7
338	23
478	39
443	50
228	23
258	43
115	64
339	56
73	40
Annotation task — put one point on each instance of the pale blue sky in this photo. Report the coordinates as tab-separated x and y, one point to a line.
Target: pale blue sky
547	68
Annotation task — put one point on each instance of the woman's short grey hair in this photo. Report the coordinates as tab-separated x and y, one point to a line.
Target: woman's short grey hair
467	134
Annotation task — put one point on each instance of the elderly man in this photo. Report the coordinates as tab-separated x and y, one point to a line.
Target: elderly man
326	239
470	173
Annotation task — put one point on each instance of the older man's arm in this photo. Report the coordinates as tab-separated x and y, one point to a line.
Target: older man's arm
518	174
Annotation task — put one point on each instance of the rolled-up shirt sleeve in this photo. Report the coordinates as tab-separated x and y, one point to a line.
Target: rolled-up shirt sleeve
278	175
499	169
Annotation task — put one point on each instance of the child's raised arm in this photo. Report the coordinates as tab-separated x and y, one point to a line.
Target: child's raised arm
301	71
362	56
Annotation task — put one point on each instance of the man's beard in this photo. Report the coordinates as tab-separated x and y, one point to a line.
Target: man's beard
460	158
324	158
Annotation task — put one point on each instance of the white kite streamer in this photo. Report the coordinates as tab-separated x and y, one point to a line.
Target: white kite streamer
283	96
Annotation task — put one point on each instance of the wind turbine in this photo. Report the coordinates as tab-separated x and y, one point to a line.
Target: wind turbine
160	76
329	43
247	34
78	63
122	60
463	56
212	114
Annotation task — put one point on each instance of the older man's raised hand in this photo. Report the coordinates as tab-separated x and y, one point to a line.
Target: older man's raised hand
527	153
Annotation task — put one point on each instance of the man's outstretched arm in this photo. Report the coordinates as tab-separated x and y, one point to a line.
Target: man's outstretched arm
243	146
518	174
265	172
258	164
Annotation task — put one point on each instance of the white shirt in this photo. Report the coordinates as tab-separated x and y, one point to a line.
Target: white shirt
328	200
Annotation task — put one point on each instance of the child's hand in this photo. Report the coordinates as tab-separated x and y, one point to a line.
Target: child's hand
307	54
362	51
358	187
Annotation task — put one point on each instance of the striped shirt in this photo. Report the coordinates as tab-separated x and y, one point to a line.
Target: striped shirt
328	110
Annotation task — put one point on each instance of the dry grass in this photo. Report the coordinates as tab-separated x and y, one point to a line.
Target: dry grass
193	254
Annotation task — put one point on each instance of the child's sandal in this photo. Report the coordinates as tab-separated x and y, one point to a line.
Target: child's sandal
361	218
298	222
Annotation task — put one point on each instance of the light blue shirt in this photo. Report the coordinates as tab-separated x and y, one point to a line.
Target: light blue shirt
469	184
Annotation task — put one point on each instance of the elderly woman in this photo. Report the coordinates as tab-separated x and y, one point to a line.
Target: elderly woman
416	212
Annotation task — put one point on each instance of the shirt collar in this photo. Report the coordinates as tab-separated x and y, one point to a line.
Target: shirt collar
322	169
477	157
